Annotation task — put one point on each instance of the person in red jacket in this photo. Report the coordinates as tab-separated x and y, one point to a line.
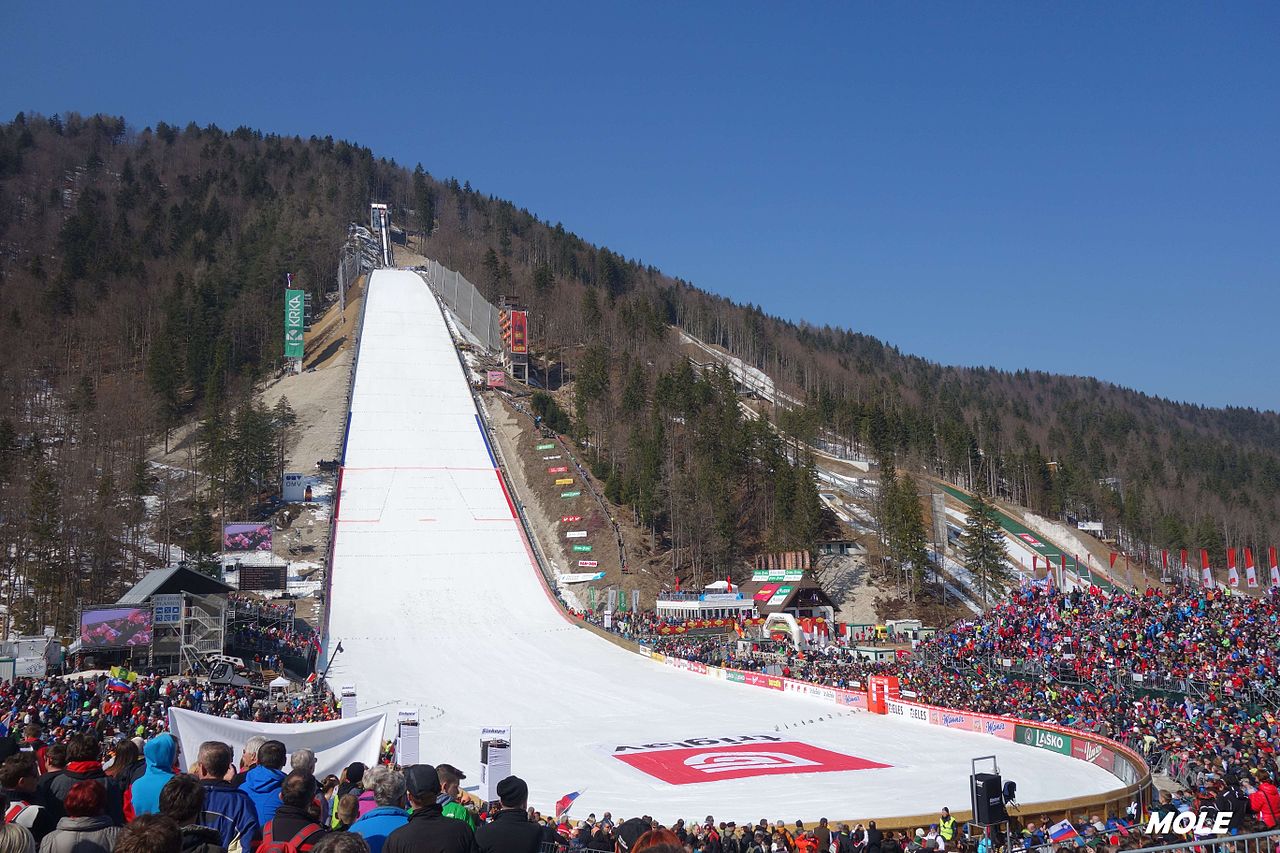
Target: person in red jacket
1264	799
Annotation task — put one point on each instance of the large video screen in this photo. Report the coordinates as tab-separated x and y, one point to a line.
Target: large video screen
250	536
116	627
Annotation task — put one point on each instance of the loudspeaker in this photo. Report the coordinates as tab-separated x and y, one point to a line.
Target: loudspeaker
988	799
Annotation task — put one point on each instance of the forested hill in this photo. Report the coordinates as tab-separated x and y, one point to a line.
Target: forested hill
141	272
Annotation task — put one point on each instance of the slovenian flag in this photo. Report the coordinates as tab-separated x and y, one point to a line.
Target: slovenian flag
118	686
564	803
1061	831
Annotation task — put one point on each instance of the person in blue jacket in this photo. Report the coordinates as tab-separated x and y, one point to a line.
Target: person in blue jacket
161	753
388	814
262	783
227	809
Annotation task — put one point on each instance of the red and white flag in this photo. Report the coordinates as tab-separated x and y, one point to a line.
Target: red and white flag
1164	561
1206	573
1233	576
1275	567
1250	570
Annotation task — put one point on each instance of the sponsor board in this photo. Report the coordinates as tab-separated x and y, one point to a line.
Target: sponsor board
1043	739
546	446
994	727
570	519
1030	540
565	481
1094	753
558	469
575	534
588	564
572	494
907	711
690	665
1198	823
585	549
495	378
721	759
551	458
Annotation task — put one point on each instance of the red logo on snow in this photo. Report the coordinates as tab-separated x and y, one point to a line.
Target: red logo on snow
712	763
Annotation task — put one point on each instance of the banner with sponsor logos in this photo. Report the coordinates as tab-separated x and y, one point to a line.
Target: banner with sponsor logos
1043	738
1109	757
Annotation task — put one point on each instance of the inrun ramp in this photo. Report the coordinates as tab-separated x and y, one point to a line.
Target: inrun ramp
439	606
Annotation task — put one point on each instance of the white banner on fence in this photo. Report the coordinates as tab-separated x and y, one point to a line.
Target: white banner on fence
336	743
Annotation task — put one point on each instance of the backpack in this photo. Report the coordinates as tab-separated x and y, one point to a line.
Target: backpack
270	844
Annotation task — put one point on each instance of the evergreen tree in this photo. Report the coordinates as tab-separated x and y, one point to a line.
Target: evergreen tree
982	546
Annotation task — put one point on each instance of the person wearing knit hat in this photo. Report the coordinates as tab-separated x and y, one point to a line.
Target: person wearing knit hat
510	829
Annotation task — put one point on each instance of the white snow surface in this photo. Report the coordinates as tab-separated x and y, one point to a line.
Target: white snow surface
439	606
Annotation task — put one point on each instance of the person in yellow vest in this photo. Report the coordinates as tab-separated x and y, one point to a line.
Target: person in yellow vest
947	826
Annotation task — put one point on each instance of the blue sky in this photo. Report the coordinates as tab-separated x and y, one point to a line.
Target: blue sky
1084	188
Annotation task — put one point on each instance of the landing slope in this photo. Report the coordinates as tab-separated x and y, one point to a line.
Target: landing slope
438	606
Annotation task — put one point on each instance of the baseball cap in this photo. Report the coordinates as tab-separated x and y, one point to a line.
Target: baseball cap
422	781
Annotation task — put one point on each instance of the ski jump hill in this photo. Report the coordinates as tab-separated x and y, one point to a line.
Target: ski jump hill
439	606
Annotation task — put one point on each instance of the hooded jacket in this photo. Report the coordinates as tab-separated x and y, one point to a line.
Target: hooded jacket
262	784
144	795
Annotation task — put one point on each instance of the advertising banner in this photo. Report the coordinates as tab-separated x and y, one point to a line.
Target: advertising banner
115	627
1043	739
294	305
549	445
246	536
166	609
558	469
1094	753
575	534
575	493
519	332
570	519
588	564
495	378
585	549
294	489
567	481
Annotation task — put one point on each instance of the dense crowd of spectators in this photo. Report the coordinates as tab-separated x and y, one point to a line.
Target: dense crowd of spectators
1190	677
79	797
267	634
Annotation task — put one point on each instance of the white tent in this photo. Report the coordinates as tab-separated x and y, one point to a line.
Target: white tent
280	683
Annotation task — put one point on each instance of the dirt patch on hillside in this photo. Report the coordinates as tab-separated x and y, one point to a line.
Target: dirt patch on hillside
534	463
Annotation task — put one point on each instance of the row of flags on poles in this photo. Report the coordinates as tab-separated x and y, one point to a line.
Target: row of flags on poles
1206	569
1233	566
1233	570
